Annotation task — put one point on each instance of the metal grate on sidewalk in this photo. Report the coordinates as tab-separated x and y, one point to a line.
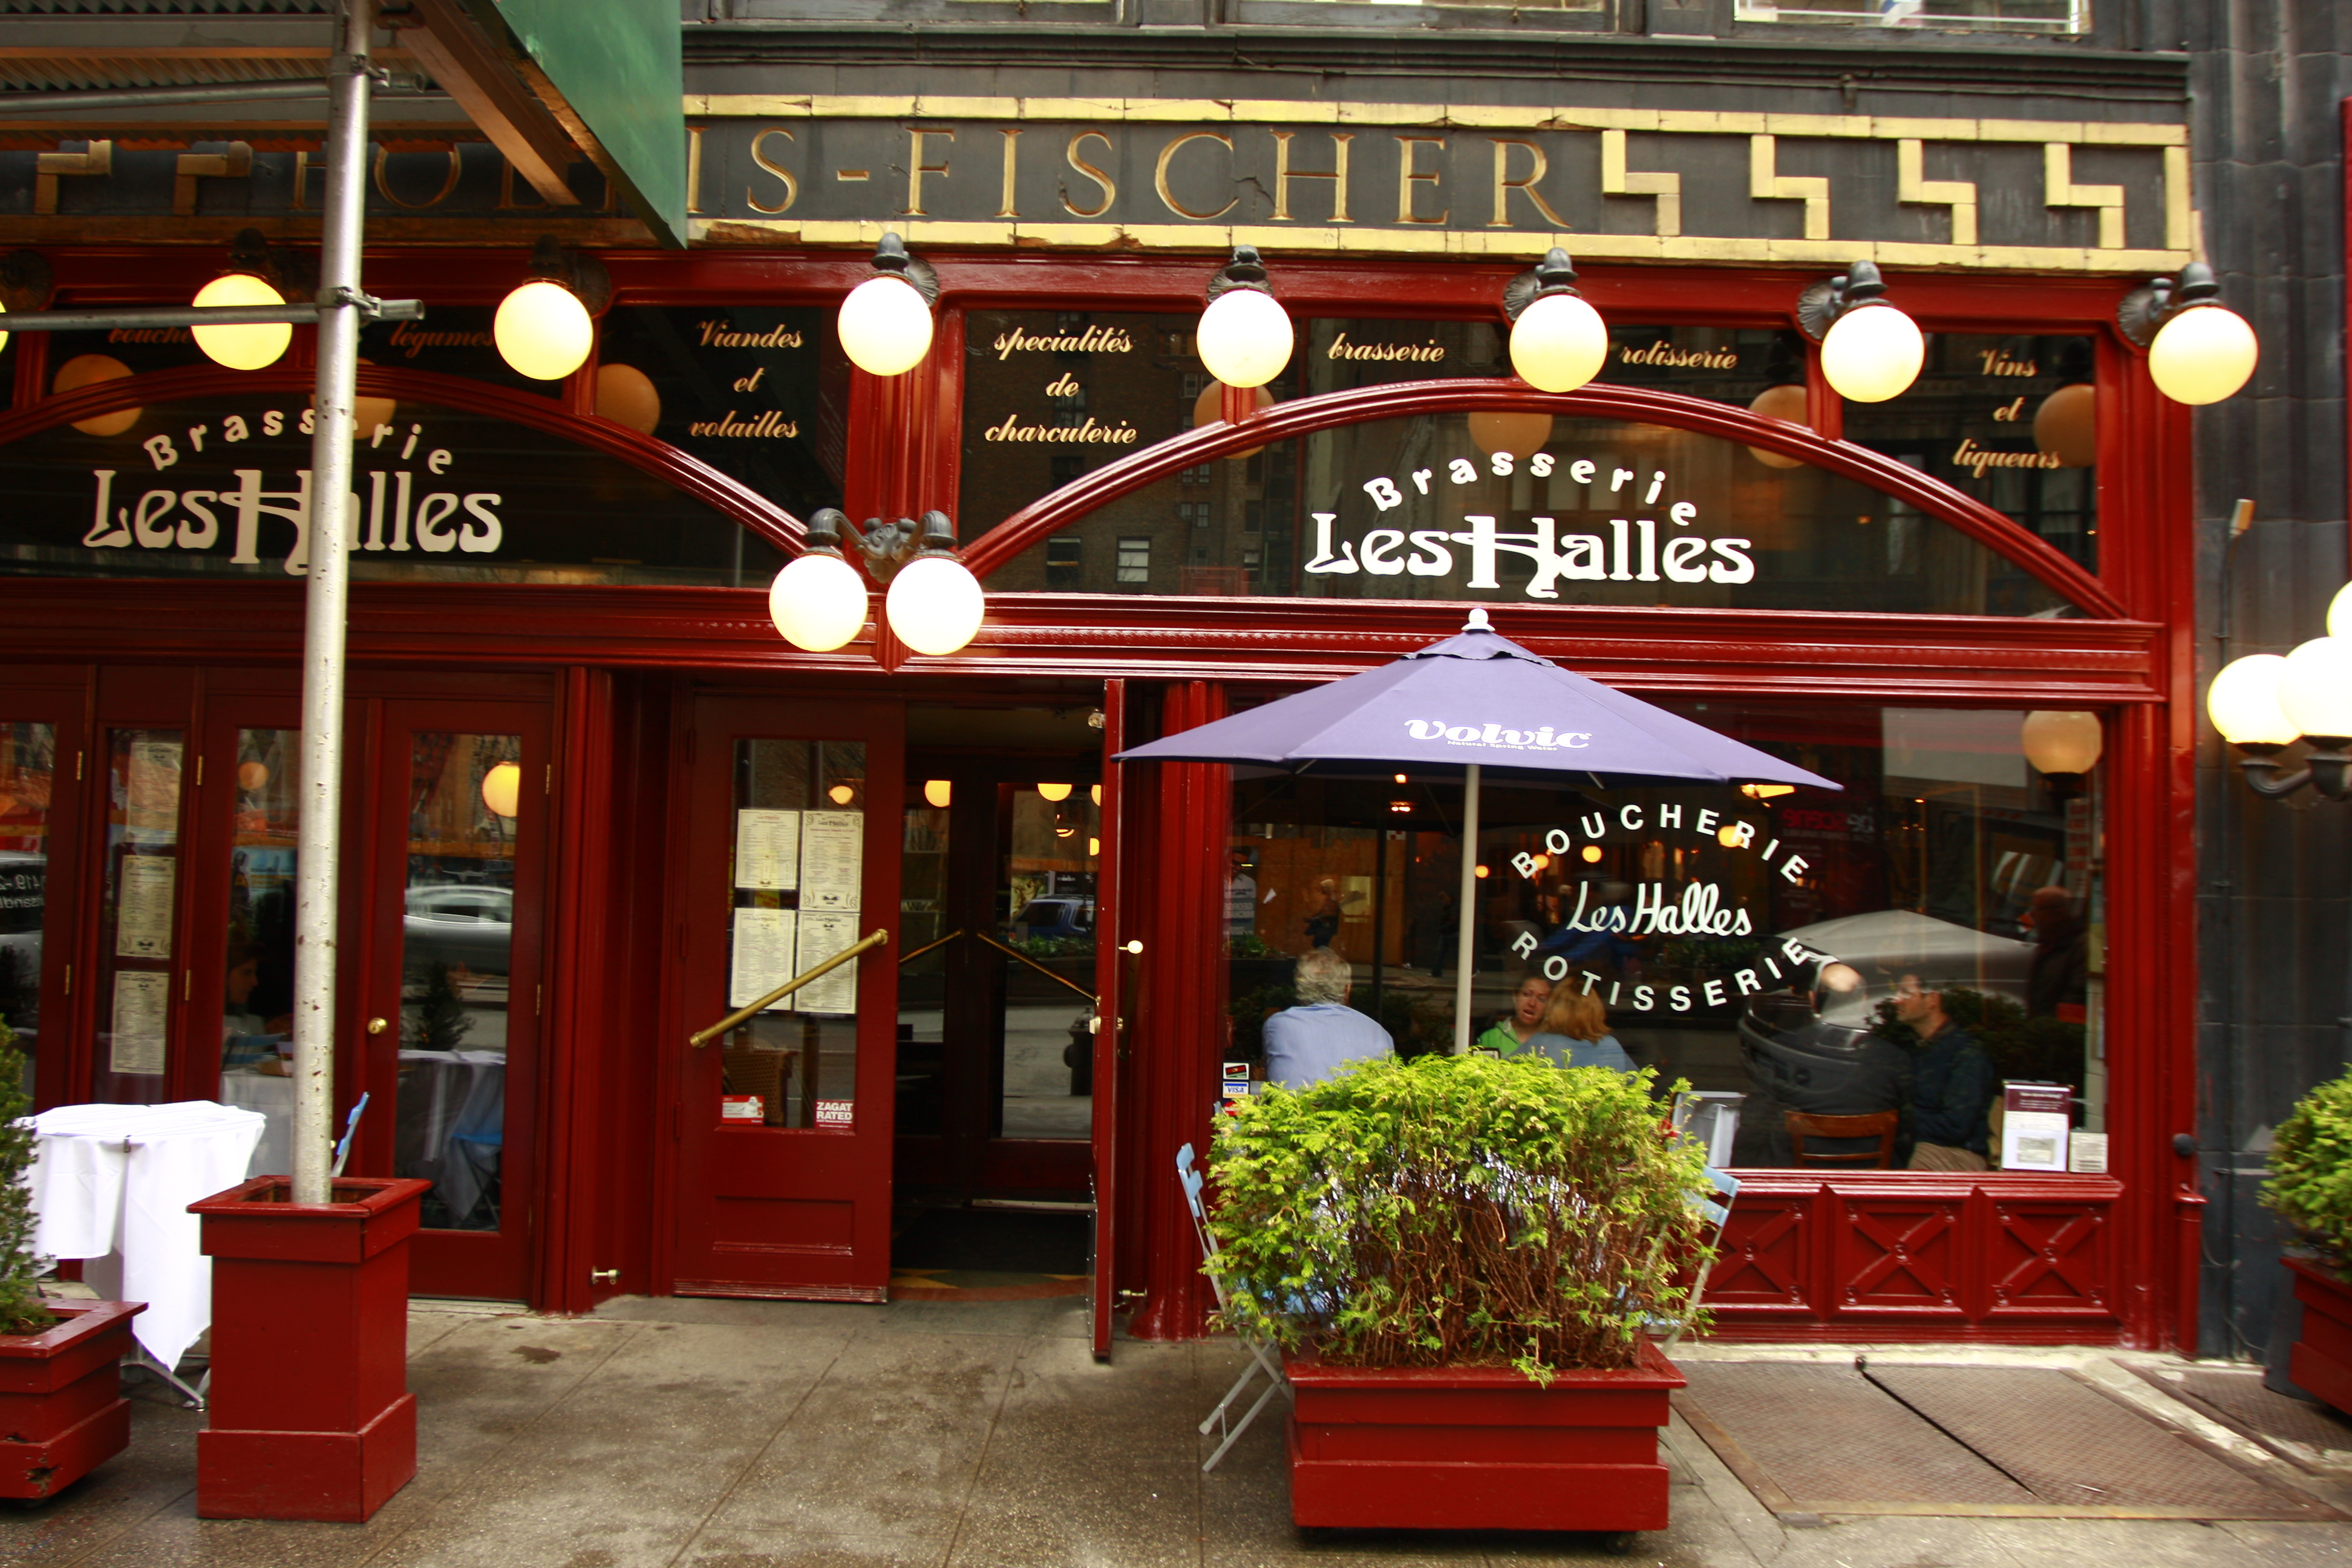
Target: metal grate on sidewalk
2310	1436
1811	1439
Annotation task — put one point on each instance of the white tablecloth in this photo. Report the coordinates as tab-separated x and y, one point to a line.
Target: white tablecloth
113	1183
274	1098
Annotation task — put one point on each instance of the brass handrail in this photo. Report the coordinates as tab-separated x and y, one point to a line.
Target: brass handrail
928	947
875	937
1011	951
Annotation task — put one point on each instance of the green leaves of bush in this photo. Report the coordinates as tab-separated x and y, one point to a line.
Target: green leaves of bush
2310	1183
1457	1211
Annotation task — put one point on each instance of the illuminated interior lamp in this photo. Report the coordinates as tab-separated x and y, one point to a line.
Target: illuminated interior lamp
938	792
502	789
1244	337
2063	742
1870	351
1096	790
368	412
2066	426
2247	704
1727	835
1210	407
546	327
627	395
818	600
254	777
842	793
89	370
935	605
1591	853
1482	873
1557	341
1094	847
1494	430
2198	350
1054	791
886	321
252	279
1765	791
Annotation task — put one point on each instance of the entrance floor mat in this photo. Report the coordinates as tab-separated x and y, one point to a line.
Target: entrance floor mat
989	1254
2302	1432
1810	1440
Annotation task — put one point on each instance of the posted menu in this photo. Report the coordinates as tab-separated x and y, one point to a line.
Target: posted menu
833	859
762	956
140	997
823	934
767	850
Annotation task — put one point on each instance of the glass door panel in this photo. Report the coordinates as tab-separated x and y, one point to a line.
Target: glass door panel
28	760
257	1000
463	805
137	980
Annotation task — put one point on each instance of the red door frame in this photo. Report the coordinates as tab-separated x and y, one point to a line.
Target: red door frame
2138	662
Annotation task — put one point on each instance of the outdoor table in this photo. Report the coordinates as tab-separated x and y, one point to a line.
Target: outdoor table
450	1126
113	1183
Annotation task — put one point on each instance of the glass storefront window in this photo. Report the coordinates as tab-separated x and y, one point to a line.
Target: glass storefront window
137	930
456	939
2010	420
1049	910
258	993
27	775
1896	952
798	873
1524	508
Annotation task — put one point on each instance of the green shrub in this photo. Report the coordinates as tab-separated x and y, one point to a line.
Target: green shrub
1457	1211
2310	1183
21	1311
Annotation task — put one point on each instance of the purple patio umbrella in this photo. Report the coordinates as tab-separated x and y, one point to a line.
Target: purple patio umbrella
1476	705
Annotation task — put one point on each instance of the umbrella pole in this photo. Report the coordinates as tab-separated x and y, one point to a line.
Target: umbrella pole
1466	945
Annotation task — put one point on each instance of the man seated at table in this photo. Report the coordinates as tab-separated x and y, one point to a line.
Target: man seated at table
1321	1037
248	1042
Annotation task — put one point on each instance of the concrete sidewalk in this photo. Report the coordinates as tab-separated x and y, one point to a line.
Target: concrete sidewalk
763	1435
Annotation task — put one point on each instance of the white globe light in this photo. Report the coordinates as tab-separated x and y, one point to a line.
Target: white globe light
818	602
2203	354
2244	703
1244	337
2339	614
3	337
1873	352
935	605
1559	344
242	348
542	330
502	789
885	326
2063	742
2315	689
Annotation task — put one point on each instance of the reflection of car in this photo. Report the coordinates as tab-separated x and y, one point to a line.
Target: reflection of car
1057	917
1829	1061
454	924
24	882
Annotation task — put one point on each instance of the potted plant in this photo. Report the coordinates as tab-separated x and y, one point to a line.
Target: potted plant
61	1406
1464	1260
2310	1187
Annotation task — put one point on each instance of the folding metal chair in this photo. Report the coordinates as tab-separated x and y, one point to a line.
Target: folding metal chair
1262	1357
1716	1211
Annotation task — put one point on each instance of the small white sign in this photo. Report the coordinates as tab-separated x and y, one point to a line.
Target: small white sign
835	1113
2087	1154
742	1108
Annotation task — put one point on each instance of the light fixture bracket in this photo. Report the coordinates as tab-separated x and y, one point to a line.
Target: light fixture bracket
2143	313
1822	303
1555	274
1246	270
891	259
574	269
2327	769
25	281
293	273
884	547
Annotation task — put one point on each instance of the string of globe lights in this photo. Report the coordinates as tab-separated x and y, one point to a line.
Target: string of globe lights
2198	352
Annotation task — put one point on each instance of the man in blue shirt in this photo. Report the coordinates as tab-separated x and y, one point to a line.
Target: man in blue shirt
1951	1085
1321	1037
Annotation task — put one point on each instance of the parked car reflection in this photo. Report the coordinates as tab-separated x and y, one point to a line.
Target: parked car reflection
459	925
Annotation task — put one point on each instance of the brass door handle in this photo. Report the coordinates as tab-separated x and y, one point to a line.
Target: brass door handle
603	1276
377	1026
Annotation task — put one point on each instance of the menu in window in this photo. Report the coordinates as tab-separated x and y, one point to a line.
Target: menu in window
833	859
141	998
823	935
143	917
767	849
152	791
761	959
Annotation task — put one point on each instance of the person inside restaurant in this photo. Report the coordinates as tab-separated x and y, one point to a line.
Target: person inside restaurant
1951	1086
1574	1032
1506	1035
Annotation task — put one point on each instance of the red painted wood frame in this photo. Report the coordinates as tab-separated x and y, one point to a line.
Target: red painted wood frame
2135	662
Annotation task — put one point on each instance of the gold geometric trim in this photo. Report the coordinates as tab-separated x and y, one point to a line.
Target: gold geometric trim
1912	184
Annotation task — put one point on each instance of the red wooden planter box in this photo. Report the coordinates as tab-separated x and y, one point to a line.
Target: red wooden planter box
312	1417
2322	1359
1479	1448
61	1404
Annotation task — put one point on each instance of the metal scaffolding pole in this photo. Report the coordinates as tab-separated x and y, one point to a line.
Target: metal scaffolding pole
317	871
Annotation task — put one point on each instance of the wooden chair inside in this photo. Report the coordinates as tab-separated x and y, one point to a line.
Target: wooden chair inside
1879	1124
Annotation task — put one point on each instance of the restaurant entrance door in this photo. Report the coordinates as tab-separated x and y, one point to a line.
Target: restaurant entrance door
782	1123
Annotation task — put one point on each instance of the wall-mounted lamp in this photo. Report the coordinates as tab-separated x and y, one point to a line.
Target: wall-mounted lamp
2198	350
1244	337
1870	350
2063	746
256	276
1557	341
545	327
886	322
2263	703
934	605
